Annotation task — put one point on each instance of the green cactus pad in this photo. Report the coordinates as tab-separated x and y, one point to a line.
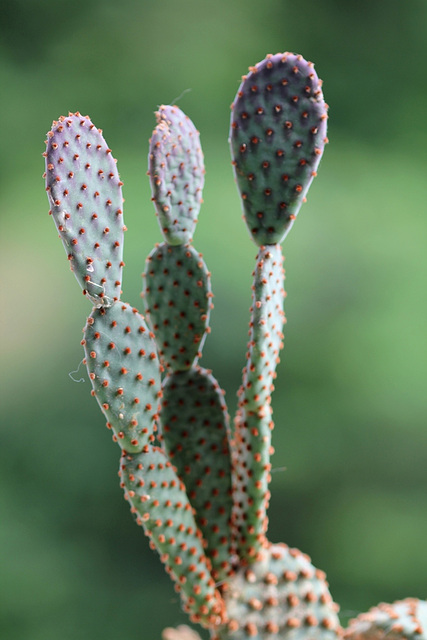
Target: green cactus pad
176	172
124	368
253	422
402	620
251	477
177	294
195	429
277	137
280	597
85	195
160	504
265	329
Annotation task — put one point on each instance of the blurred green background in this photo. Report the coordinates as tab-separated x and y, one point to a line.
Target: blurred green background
350	402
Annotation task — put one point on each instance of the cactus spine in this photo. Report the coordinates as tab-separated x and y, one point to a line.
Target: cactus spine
199	489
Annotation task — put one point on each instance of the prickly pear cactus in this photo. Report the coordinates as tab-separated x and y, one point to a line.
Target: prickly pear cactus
121	356
123	365
402	620
176	170
85	195
177	294
195	428
199	489
280	596
161	505
278	133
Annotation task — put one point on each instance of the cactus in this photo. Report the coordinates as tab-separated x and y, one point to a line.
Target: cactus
198	488
278	133
85	195
402	620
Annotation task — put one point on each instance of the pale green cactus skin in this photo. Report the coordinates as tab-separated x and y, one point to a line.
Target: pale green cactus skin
195	431
85	196
402	620
281	595
177	293
198	487
176	171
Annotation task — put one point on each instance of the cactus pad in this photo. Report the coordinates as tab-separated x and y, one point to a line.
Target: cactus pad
265	330
123	366
178	295
176	172
160	504
85	195
280	597
195	430
402	620
253	422
277	136
251	477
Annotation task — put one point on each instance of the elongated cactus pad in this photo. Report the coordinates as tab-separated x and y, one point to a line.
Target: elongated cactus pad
195	431
178	295
85	195
280	597
160	504
124	369
402	620
265	329
176	171
277	136
253	422
251	477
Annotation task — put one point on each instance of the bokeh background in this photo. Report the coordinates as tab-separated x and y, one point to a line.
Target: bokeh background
350	479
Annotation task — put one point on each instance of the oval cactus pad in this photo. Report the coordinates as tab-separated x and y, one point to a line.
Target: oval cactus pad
195	430
176	171
177	293
402	620
277	136
124	369
85	195
160	504
280	597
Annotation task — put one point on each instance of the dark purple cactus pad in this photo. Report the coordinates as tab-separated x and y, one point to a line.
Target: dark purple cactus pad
85	195
277	137
176	171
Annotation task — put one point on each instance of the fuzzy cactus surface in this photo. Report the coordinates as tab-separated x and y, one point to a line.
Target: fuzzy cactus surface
277	137
85	196
402	620
176	171
198	486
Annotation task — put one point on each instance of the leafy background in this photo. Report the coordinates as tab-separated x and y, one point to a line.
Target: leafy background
350	479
